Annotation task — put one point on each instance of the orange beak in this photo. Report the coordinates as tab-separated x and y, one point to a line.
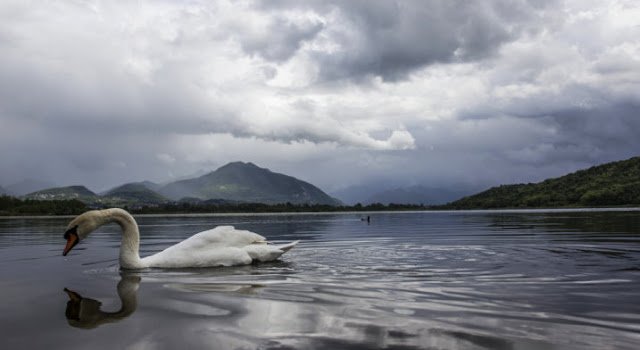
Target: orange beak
72	240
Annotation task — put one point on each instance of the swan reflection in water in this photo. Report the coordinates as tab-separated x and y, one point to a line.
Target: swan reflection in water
85	313
293	319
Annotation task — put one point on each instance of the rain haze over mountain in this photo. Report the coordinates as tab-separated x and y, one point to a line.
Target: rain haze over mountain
442	94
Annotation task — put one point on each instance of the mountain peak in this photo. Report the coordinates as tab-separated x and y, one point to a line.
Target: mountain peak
240	165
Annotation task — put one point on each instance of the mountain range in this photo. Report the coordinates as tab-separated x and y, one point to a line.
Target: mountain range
610	184
234	182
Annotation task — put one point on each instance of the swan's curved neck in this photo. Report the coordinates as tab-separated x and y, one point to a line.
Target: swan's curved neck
130	245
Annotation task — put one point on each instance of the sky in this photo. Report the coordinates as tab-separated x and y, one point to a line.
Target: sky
337	93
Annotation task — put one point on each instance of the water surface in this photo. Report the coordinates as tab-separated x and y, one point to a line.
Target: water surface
428	280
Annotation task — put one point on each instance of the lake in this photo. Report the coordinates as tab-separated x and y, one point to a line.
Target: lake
559	279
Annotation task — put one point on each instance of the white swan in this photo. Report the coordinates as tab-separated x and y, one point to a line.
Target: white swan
221	246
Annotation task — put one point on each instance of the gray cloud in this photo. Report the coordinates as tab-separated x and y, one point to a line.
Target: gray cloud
391	39
279	39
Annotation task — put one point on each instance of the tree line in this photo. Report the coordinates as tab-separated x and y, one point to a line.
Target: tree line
14	206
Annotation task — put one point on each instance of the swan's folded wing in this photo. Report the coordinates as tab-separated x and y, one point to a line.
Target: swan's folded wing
221	246
227	256
225	236
221	236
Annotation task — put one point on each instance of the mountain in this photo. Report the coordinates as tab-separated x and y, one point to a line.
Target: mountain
247	182
27	186
610	184
415	195
135	193
231	184
3	191
70	192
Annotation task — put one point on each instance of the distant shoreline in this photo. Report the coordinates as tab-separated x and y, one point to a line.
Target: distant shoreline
297	213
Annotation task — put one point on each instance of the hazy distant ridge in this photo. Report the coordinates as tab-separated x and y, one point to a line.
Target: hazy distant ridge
416	195
610	184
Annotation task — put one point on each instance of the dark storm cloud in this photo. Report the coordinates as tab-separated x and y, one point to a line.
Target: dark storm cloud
390	39
581	122
606	132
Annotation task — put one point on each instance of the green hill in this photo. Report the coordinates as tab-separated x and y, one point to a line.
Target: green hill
80	193
134	193
246	182
611	184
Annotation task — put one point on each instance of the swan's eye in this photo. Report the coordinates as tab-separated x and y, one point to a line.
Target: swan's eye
73	230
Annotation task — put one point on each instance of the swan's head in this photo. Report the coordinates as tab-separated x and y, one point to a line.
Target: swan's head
80	227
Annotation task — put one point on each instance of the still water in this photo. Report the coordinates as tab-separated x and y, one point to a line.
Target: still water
428	280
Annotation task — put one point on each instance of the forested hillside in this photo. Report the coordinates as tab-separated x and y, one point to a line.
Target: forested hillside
611	184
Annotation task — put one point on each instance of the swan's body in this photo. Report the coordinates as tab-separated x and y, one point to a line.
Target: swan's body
221	246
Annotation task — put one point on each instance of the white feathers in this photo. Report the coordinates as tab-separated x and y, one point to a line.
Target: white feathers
221	246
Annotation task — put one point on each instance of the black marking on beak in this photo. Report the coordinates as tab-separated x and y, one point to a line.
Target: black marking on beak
73	230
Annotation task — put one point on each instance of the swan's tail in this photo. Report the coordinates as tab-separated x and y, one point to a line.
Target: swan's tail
263	252
288	246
